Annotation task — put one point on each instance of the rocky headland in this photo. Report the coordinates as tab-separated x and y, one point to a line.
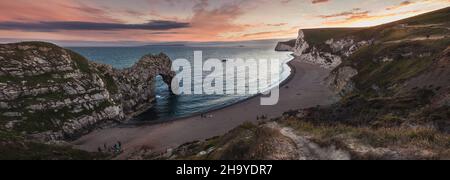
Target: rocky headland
49	93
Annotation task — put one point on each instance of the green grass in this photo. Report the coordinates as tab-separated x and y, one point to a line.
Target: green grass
385	137
384	74
319	36
39	44
360	110
5	79
49	120
38	151
246	142
439	16
15	147
28	150
110	83
42	79
255	142
9	136
81	62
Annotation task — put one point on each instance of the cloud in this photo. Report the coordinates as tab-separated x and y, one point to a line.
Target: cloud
402	4
271	34
319	1
352	13
366	17
192	20
276	24
208	22
80	25
51	10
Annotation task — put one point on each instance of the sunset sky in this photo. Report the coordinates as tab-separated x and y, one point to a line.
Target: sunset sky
192	20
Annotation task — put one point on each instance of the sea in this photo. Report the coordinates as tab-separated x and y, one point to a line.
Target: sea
169	107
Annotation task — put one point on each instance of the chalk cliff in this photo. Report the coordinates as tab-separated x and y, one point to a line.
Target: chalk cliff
329	54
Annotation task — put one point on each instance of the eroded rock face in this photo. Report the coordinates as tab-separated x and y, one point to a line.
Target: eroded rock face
330	54
136	84
324	59
52	93
300	45
339	80
346	46
340	49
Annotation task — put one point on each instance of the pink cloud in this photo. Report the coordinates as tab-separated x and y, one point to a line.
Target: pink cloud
50	10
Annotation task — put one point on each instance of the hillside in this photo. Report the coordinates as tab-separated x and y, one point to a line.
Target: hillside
395	99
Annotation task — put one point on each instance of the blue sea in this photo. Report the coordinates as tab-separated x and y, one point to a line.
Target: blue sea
167	106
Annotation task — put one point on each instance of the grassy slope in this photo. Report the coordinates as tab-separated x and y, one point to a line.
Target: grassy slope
388	74
381	113
15	147
383	32
376	107
318	36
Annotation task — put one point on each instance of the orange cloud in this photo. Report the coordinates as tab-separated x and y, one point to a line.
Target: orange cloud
367	18
319	1
45	10
207	24
353	13
402	4
270	34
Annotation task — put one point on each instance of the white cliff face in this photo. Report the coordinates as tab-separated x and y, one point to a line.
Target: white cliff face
342	48
330	58
300	45
346	46
324	59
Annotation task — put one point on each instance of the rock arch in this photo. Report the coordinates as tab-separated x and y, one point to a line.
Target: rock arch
137	83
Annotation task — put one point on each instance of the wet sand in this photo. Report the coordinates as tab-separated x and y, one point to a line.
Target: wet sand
302	90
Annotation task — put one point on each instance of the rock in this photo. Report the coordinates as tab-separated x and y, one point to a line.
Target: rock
4	105
300	45
387	59
339	80
12	114
285	46
10	124
325	60
77	94
137	82
340	49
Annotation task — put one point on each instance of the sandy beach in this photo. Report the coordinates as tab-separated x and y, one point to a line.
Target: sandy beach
302	90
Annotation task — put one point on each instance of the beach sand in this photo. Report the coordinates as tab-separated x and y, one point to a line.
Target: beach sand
302	90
